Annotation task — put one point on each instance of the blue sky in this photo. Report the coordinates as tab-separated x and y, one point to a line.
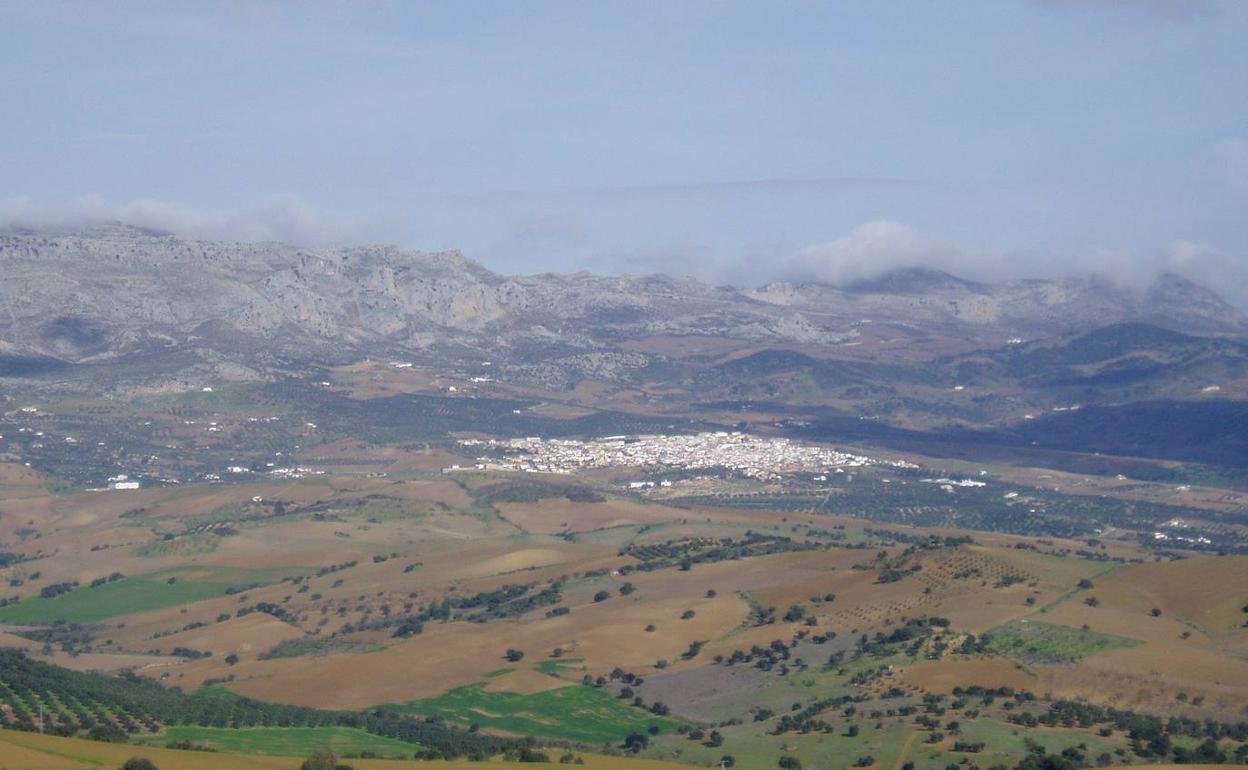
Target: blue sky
738	142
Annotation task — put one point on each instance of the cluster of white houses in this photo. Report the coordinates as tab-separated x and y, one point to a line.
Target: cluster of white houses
752	456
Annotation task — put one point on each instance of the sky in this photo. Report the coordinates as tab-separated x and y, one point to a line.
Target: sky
737	142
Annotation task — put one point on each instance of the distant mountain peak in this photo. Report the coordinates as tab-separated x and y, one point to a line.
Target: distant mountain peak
913	280
1184	302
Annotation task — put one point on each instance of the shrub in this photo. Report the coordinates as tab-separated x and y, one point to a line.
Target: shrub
321	759
108	733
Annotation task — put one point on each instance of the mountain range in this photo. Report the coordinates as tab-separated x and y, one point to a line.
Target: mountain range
112	291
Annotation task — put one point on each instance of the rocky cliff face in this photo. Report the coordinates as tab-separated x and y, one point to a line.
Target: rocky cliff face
115	290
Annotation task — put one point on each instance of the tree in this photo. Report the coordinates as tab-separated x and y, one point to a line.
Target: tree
635	742
321	759
790	763
1085	584
1207	753
1155	612
514	655
138	763
627	589
1037	759
602	596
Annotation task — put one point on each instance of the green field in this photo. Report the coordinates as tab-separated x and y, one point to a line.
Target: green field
135	594
560	665
185	545
1005	744
287	741
577	713
754	749
1036	642
893	742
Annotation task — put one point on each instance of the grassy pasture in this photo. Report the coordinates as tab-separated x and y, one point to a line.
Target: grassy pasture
1005	744
755	750
31	751
560	665
1037	642
575	713
285	741
135	594
18	481
551	516
186	545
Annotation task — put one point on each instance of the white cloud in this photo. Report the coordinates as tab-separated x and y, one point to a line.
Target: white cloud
1211	267
874	248
280	218
866	251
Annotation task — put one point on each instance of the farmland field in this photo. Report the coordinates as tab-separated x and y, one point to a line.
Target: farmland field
31	751
287	741
1038	642
575	713
129	595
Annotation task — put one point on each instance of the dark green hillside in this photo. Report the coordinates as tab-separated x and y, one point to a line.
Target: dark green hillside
432	417
777	373
1204	431
30	366
1111	355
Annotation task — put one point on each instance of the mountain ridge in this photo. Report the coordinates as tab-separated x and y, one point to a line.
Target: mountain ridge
97	294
